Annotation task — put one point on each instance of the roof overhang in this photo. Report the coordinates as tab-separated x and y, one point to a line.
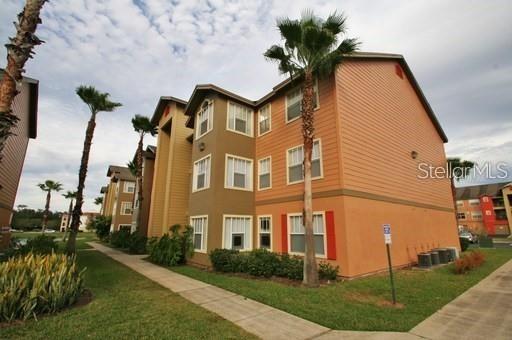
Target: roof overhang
162	104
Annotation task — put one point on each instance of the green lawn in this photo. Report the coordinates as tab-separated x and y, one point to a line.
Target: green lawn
81	238
126	306
361	304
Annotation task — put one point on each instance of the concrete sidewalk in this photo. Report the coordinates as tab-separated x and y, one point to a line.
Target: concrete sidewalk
482	310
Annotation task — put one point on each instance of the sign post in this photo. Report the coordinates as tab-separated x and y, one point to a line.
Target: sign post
387	240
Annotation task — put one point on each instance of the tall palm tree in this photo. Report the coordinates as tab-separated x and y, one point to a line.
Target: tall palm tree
132	167
312	48
97	102
98	200
142	125
48	186
458	169
19	50
70	195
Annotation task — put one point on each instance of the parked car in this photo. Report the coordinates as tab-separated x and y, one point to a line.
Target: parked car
468	236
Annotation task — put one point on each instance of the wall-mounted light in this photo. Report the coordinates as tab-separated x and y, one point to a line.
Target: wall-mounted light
414	154
202	146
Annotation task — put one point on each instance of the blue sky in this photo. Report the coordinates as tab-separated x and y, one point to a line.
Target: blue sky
459	51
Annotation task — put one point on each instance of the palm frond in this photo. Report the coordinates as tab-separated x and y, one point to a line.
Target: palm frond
291	31
142	124
96	100
348	46
335	23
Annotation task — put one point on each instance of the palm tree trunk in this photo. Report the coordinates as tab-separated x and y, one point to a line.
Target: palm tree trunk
77	211
46	210
139	182
19	49
310	268
70	210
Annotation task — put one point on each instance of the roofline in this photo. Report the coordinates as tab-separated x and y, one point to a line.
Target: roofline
162	103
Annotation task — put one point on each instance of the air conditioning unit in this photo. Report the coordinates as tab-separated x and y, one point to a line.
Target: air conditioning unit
424	260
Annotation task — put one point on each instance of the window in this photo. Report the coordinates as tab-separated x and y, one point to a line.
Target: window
238	173
296	159
264	177
264	120
265	232
460	203
485	199
204	119
488	213
237	232
129	187
239	119
125	227
200	225
461	216
201	176
476	215
474	202
294	102
126	208
297	239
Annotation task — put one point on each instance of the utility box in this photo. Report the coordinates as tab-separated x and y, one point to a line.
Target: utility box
424	260
434	255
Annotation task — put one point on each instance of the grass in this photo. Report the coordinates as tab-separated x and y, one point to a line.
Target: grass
126	306
81	238
361	304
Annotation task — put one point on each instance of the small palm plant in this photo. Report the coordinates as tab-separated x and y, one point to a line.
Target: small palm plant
143	126
48	186
312	49
97	102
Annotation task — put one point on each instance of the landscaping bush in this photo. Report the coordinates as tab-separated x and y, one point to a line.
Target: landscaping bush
41	245
291	267
223	260
464	243
326	271
174	249
120	238
468	262
261	262
101	225
34	284
137	243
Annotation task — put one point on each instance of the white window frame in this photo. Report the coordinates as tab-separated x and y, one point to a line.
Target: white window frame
250	120
460	203
269	232
126	187
207	174
269	105
224	216
123	208
476	215
315	90
270	172
289	232
321	163
209	109
474	202
251	173
204	234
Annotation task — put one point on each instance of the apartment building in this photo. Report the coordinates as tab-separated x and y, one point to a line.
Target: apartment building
119	197
485	209
148	169
374	127
25	108
171	178
85	219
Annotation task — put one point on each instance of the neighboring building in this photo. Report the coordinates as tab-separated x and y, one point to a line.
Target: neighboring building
485	209
85	219
148	168
169	197
25	108
104	192
119	197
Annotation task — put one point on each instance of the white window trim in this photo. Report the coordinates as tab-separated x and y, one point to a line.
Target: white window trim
226	173
121	212
210	119
321	163
270	173
208	174
315	87
224	230
270	231
126	185
119	226
269	119
289	232
205	233
251	119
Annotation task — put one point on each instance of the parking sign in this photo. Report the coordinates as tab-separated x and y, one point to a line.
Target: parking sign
387	233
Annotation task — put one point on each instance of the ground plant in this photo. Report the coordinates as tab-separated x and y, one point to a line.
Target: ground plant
172	249
469	261
101	226
31	285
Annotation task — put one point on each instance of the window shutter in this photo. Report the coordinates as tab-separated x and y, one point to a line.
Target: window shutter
331	237
284	233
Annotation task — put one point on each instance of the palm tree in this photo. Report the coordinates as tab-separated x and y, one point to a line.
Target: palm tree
312	48
132	167
70	195
98	200
142	125
19	50
22	206
97	102
458	169
48	186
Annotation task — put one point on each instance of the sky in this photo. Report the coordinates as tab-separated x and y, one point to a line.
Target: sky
459	51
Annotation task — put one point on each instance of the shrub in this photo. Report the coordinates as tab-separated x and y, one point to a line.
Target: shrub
174	249
137	243
326	271
261	262
120	238
468	262
223	260
34	284
464	243
291	267
41	245
101	225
